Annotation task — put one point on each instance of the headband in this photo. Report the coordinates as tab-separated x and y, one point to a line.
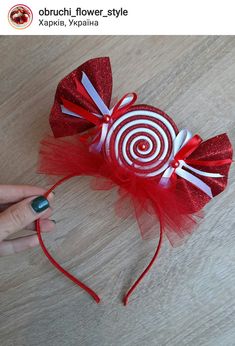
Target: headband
167	174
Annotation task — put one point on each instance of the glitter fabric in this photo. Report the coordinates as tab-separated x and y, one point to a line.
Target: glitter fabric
100	74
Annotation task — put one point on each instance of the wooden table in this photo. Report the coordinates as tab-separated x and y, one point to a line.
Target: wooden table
188	297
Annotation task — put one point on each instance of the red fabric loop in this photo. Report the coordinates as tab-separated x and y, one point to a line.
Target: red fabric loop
188	148
94	119
81	111
118	110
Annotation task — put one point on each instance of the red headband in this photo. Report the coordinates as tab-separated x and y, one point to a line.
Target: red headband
169	175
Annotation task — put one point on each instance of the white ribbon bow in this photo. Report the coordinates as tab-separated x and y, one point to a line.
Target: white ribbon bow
180	141
105	111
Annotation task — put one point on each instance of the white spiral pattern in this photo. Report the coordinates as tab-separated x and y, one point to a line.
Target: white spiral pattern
125	135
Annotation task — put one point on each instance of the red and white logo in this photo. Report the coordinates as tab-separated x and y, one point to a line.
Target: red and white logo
20	16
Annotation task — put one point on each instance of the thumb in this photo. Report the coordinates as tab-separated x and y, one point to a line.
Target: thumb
19	215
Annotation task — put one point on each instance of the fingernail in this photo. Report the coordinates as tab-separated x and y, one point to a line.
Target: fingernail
54	221
40	204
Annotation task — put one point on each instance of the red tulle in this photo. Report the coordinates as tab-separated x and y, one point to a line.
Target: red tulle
175	208
69	156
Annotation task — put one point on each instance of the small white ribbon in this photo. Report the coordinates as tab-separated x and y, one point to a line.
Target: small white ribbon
180	141
105	111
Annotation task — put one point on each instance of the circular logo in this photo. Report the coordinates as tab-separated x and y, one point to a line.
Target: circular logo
20	16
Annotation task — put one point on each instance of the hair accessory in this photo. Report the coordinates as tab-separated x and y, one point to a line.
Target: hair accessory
168	175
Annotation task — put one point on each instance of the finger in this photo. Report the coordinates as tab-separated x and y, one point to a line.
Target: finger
15	193
21	214
51	198
8	247
47	214
46	225
4	206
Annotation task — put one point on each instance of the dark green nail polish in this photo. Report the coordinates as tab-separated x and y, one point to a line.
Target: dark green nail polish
40	204
54	221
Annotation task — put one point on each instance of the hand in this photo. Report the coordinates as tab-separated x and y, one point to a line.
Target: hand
20	206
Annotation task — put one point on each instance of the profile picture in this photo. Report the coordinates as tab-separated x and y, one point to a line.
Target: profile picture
20	16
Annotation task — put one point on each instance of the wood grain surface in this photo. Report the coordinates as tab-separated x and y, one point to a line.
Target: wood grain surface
189	296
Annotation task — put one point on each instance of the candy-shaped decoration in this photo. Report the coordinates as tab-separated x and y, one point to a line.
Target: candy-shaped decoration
166	174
